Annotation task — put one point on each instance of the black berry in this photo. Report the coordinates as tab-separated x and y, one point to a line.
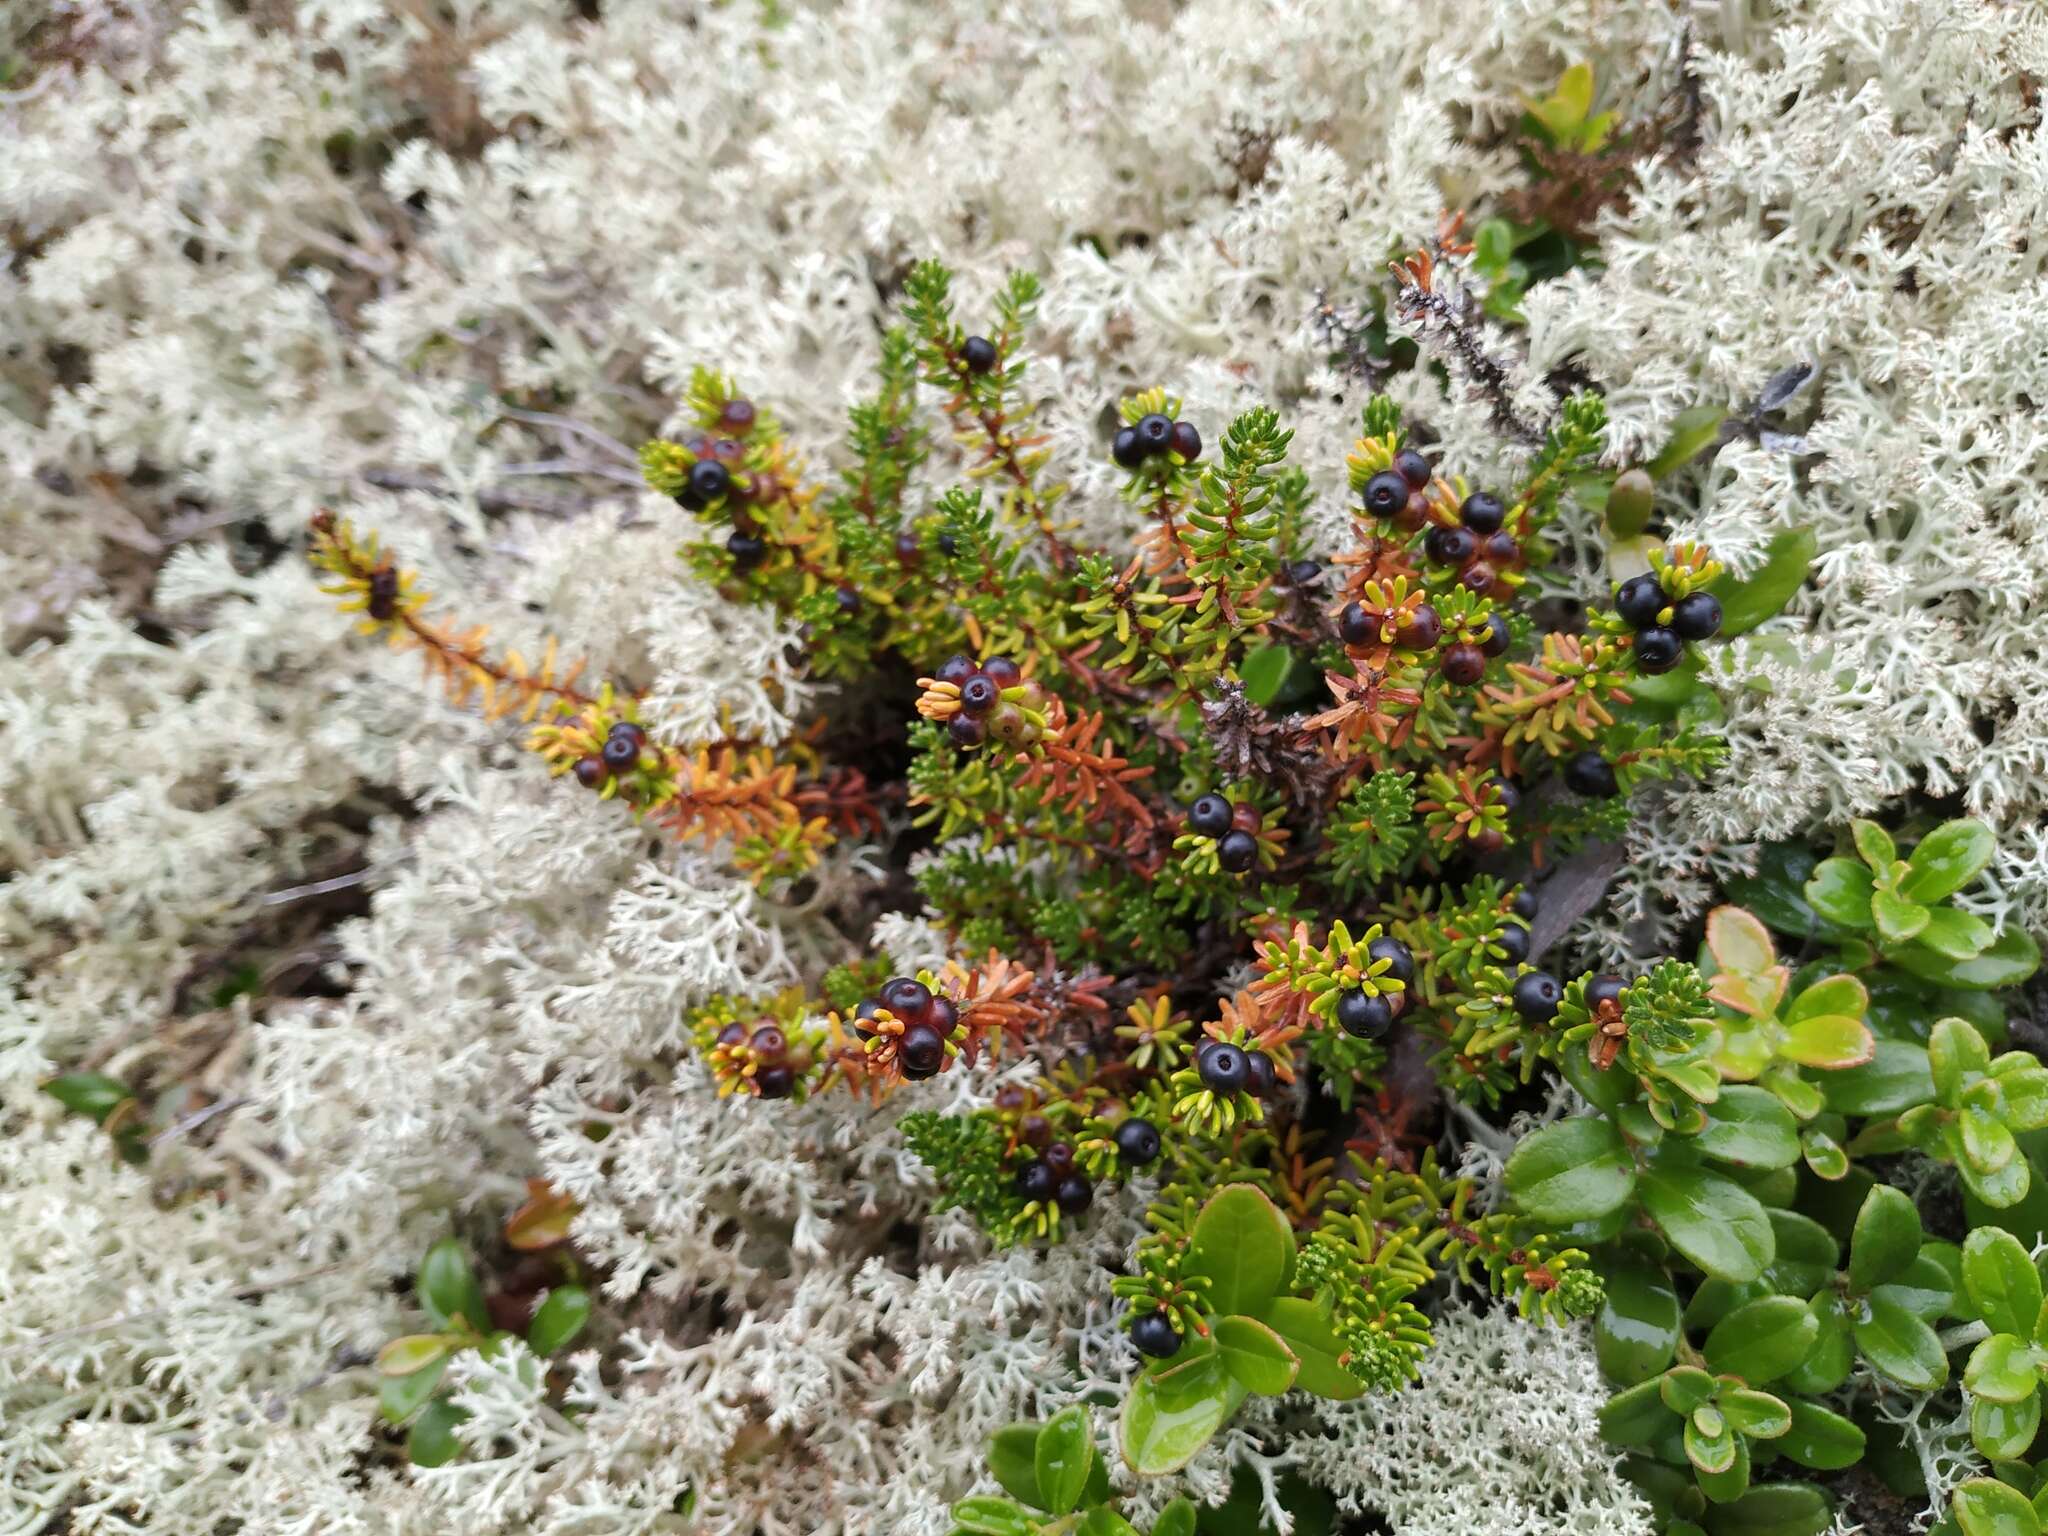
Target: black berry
591	771
1497	635
621	753
906	997
1412	467
955	670
1500	549
1524	904
1482	512
1059	1157
1463	664
1450	546
1005	672
776	1082
1507	795
746	550
1210	815
1035	1131
1075	1194
1658	649
1591	775
1422	631
1604	989
1155	1335
979	353
1186	441
848	601
966	731
1222	1067
942	1015
1126	449
1260	1079
1536	995
1639	600
1697	616
1155	433
922	1051
1035	1181
709	480
1364	1014
1355	625
769	1041
1514	939
1386	493
1237	851
978	695
1137	1142
1302	572
1400	964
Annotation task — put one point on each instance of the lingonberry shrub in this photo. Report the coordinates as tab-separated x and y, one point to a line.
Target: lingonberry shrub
1239	839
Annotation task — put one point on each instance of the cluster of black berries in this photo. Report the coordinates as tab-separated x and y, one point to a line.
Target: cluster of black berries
1368	1015
1536	994
1226	1068
1154	434
1234	827
774	1071
1463	661
619	754
1641	601
1052	1179
927	1021
711	476
983	712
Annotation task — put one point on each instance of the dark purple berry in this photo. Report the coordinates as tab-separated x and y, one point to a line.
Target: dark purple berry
1059	1157
1449	546
1222	1067
1524	905
1500	550
1658	649
1210	815
738	416
769	1041
908	550
776	1082
621	753
1126	449
942	1015
1482	512
1155	433
922	1050
1400	963
1604	989
955	670
1137	1142
746	550
1035	1131
1412	467
1477	577
1186	441
1591	775
1463	664
1497	635
966	731
1075	1194
1386	493
1237	850
1513	939
979	353
709	480
591	771
1355	626
848	601
1005	672
906	997
1365	1015
1536	995
1422	631
948	545
1037	1182
1639	600
1507	795
1303	572
979	694
1697	616
1155	1335
1260	1079
383	593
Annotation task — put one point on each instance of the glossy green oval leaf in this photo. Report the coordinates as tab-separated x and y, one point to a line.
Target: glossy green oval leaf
447	1287
1104	1521
432	1441
1985	1507
1773	1509
2002	1281
1828	1042
1571	1171
1897	918
1739	941
1821	1438
2012	957
1165	1424
1958	935
2003	1369
1840	891
1764	1339
1693	431
1957	1054
2005	1431
1756	1415
1013	1461
1315	1345
1710	1444
1061	1459
1177	1519
88	1093
1748	601
1831	994
1900	1345
414	1352
558	1320
1748	1127
1686	1388
985	1515
1636	1416
1710	1219
1896	1077
1244	1246
1924	1289
400	1397
1823	1154
1833	1355
1636	1331
1887	1238
1255	1354
1948	858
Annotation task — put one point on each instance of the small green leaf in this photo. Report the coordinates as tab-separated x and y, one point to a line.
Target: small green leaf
1710	1445
1255	1354
1986	1142
1264	673
1315	1344
1748	602
1177	1519
432	1441
1896	1077
2003	1284
1828	1042
989	1516
447	1287
1840	891
2011	959
1636	1331
1948	858
1821	1438
1958	935
1763	1339
1823	1154
558	1320
1104	1521
1013	1461
1831	994
400	1397
1693	431
1957	1055
1773	1509
1984	1507
1748	1127
1636	1416
1061	1460
1244	1246
1886	1239
1166	1423
2003	1369
1897	919
1571	1171
1757	1415
1710	1219
1900	1345
1923	1290
414	1352
1685	1388
2005	1431
1834	1352
88	1093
